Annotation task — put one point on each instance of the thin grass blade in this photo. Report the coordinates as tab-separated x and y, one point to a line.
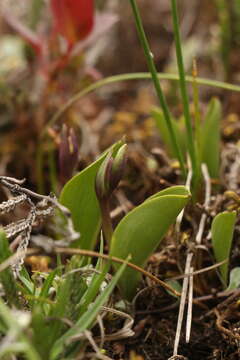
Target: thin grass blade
86	321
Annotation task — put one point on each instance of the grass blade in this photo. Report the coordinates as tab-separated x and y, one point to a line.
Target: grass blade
157	114
89	316
47	284
15	327
132	76
160	94
183	87
226	33
6	276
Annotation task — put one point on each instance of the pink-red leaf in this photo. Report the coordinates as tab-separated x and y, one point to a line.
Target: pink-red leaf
73	19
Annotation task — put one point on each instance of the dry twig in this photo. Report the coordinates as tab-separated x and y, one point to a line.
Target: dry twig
42	208
182	304
206	203
189	311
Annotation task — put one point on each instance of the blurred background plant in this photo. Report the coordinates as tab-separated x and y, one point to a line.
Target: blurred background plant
44	62
56	118
44	49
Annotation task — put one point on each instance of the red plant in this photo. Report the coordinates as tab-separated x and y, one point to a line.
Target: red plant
76	21
73	19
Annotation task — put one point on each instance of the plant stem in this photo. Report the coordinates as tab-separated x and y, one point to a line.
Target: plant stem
196	106
183	88
52	170
225	33
154	74
106	220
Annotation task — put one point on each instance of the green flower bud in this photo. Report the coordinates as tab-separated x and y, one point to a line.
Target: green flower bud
110	173
103	177
118	166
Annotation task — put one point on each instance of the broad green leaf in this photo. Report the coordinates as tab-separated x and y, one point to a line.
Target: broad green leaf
158	116
222	235
234	281
88	318
78	195
211	138
139	233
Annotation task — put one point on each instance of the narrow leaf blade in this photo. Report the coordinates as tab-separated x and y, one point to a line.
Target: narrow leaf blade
47	284
222	235
88	317
158	116
211	138
6	276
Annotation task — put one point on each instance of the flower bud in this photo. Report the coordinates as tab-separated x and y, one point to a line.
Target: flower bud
103	177
110	173
118	166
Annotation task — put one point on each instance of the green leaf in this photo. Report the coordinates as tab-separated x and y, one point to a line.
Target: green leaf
79	196
60	308
4	247
93	289
158	116
176	286
51	330
211	138
15	328
29	287
173	190
40	331
234	282
140	232
6	276
88	318
96	282
47	284
222	235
